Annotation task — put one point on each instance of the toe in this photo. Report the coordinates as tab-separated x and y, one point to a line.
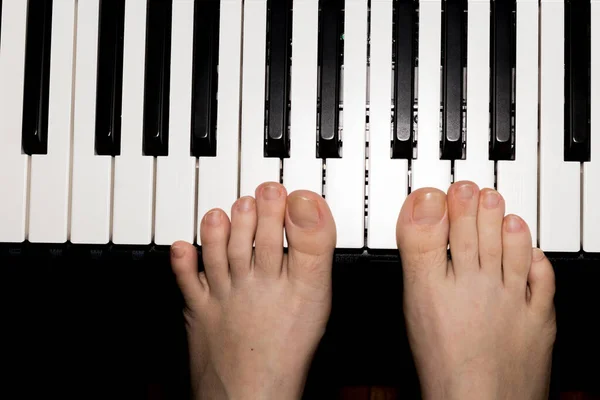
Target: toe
516	253
422	233
214	233
311	235
270	206
463	202
541	283
184	262
489	228
241	239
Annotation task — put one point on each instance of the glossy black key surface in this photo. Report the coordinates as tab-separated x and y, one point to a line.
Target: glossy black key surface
454	49
157	78
331	28
37	77
110	78
404	52
503	46
577	80
278	63
205	79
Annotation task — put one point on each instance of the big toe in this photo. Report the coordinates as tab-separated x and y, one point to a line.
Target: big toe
311	235
422	232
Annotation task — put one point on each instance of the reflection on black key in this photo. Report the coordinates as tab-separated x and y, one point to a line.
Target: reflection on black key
278	64
110	78
502	62
331	28
453	37
157	79
37	77
404	52
577	80
0	19
204	81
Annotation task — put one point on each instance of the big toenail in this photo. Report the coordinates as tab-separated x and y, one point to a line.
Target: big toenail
491	200
245	204
213	218
271	192
429	208
304	212
538	255
177	251
514	224
465	191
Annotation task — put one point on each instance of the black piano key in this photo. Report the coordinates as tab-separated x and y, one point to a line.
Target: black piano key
502	63
577	80
110	78
453	35
279	48
157	78
205	80
331	27
404	77
37	77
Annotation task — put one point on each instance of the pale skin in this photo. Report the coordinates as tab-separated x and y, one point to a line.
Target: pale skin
481	326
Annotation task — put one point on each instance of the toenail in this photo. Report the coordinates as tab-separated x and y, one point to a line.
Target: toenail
514	224
177	251
429	208
538	255
491	199
466	191
303	211
245	204
213	218
271	192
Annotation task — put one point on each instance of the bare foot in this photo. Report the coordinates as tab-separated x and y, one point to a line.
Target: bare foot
255	318
481	326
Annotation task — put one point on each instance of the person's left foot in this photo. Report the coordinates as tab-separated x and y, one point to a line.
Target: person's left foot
255	316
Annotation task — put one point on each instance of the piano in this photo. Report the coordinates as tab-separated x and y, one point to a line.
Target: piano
123	121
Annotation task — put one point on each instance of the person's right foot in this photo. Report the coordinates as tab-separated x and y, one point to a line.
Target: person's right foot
481	326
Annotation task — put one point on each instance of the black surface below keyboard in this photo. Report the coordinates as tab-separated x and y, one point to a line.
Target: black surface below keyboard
100	322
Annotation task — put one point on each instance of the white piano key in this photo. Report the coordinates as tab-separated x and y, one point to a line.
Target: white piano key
255	168
176	173
13	163
345	177
559	219
92	175
134	172
388	178
428	170
50	173
477	166
218	176
303	170
591	170
517	180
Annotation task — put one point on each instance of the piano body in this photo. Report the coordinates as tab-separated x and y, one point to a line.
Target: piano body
123	122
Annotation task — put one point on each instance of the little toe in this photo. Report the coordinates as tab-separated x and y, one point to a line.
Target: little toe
541	283
463	202
184	262
214	234
489	228
270	206
241	239
311	235
422	233
516	253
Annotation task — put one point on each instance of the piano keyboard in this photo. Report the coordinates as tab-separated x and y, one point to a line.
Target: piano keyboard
125	121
